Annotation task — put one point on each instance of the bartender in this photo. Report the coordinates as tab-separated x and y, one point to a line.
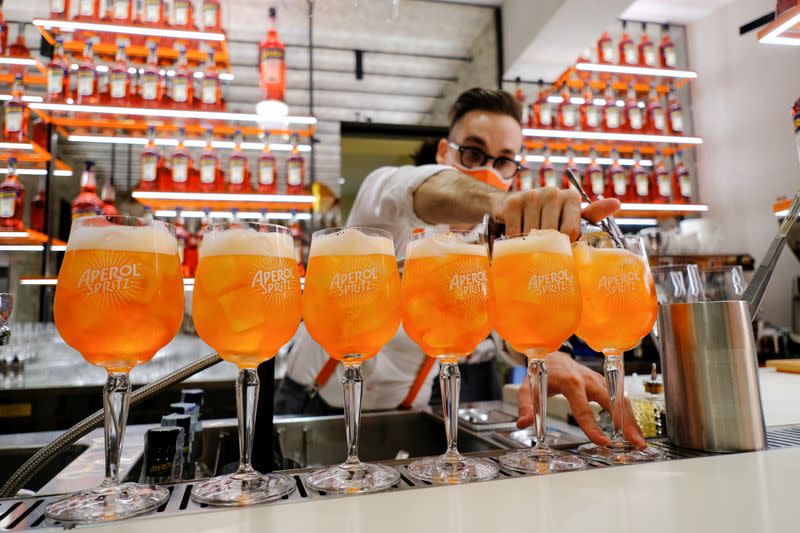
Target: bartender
475	169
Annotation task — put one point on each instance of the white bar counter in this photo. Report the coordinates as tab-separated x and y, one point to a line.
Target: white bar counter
739	493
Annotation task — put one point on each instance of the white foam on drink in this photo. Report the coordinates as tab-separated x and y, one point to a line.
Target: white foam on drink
350	242
443	244
247	241
538	240
149	239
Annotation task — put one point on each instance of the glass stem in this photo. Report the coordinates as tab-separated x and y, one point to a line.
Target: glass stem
450	384
614	372
537	380
352	384
247	386
116	400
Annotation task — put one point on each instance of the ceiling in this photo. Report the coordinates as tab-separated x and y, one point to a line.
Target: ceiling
673	11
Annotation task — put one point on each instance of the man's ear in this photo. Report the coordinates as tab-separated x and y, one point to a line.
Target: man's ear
441	151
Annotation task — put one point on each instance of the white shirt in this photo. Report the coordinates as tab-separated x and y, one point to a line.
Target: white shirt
385	200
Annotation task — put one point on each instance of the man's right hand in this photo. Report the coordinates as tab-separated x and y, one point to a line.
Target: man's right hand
547	208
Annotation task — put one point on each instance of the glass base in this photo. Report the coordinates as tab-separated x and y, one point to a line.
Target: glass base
547	461
621	453
107	503
453	470
353	478
243	488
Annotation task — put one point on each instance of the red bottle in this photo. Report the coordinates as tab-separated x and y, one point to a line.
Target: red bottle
299	242
151	84
519	96
525	180
119	79
58	75
667	52
153	13
182	84
86	92
238	168
12	199
3	33
648	55
108	197
183	15
87	203
59	9
201	230
639	179
548	177
267	170
122	11
617	184
295	170
16	115
543	111
272	63
210	86
605	49
662	181
88	10
37	207
594	182
656	116
591	113
675	120
183	171
18	48
634	114
212	15
613	117
682	185
568	113
628	53
210	173
154	171
182	235
570	165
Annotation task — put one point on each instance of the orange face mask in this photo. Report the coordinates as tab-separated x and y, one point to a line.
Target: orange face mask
487	175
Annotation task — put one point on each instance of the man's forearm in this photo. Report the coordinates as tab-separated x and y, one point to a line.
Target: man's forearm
451	197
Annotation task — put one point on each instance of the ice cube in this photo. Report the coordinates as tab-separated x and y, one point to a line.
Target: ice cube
598	239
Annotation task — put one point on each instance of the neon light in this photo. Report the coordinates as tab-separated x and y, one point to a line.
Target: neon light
191	143
603	136
223	197
636	71
129	30
243	215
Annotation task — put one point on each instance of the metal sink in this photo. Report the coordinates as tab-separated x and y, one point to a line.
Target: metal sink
13	458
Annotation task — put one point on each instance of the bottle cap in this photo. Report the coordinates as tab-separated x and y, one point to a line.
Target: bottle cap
163	437
195	396
653	385
182	421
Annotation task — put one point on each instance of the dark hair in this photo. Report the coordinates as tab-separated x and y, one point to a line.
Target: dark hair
491	100
426	153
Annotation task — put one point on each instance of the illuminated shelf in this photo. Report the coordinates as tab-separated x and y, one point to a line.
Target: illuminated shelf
785	29
611	137
26	152
243	215
189	143
27	240
222	202
636	71
781	207
637	210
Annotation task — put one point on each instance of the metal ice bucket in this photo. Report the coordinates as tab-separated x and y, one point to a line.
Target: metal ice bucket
708	358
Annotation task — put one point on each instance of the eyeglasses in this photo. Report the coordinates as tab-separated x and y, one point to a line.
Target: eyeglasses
471	157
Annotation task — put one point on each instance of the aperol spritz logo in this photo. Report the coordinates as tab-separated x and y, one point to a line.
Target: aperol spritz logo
275	278
357	282
551	283
469	281
620	283
111	279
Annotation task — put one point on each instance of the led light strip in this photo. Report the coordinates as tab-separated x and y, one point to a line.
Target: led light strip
59	248
18	61
223	197
586	160
190	143
7	97
636	221
603	136
244	215
224	76
597	101
36	172
636	71
16	146
783	213
773	37
21	247
129	30
13	234
38	281
170	113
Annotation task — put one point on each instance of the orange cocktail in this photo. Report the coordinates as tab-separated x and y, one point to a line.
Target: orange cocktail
351	300
447	298
247	299
537	291
119	296
619	297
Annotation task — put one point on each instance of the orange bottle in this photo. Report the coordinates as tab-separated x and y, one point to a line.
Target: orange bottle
267	169
16	115
656	116
591	113
594	182
184	175
238	168
568	114
86	92
675	120
108	196
605	49
682	185
58	75
662	180
295	170
119	79
272	63
210	85
613	117
639	180
59	9
648	55
667	52
210	172
12	199
634	113
617	184
152	165
543	111
548	177
628	53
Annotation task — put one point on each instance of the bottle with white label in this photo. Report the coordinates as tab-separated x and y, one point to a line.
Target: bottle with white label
212	15
524	179
58	74
594	182
662	180
656	115
88	10
570	167
543	111
153	13
12	199
151	82
119	79
591	113
295	170
667	52
210	172
87	203
634	113
682	185
150	164
617	179
519	96
210	85
59	9
628	54
605	49
182	15
267	169
122	11
639	178
86	91
238	167
648	55
16	115
568	116
548	177
182	165
675	119
612	113
182	85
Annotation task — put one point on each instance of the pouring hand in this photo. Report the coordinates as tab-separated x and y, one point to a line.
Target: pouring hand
580	385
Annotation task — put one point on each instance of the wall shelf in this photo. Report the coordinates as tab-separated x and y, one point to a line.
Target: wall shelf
785	29
224	202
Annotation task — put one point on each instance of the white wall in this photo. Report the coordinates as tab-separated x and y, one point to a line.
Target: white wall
741	104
